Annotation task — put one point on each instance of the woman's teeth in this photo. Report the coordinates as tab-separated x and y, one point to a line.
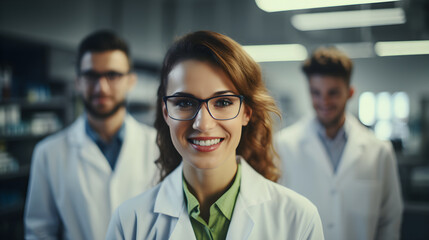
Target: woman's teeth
206	142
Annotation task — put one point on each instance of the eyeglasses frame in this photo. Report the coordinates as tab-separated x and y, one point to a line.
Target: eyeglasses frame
103	75
201	101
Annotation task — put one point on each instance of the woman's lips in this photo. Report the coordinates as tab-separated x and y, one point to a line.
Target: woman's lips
205	144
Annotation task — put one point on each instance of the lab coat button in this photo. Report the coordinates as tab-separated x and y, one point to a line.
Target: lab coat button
330	225
333	192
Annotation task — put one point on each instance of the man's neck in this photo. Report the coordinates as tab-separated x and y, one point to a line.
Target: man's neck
106	128
332	129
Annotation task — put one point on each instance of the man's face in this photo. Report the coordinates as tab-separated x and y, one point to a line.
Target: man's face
329	95
104	82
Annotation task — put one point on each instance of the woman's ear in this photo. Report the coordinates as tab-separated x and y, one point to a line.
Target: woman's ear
247	115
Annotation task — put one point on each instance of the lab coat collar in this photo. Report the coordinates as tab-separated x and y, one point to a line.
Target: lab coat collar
90	152
170	198
170	201
355	144
253	191
87	149
77	135
312	146
352	151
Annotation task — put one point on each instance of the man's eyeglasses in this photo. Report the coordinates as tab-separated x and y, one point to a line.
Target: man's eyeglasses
92	77
223	107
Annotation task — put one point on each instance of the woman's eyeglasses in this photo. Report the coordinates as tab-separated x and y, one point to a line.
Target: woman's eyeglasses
223	107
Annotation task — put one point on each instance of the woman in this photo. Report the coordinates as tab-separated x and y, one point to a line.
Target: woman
215	138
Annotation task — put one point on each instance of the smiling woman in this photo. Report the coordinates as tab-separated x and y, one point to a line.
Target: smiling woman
226	59
215	136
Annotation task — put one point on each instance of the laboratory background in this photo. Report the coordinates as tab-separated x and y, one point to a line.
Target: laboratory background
388	41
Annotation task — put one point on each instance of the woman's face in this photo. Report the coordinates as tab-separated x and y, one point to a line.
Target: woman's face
203	142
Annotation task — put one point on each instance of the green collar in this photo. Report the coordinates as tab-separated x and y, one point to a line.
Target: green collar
225	203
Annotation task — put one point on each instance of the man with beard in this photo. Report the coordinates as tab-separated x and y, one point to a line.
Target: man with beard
81	174
336	162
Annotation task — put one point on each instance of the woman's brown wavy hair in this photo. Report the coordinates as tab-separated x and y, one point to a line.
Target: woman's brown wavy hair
256	144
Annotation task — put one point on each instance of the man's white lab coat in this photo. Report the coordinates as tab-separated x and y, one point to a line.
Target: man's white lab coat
73	191
362	200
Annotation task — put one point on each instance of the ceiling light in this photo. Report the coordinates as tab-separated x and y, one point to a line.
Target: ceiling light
287	5
400	48
348	19
277	52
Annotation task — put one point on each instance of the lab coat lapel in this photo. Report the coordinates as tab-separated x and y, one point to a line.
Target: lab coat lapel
354	146
183	228
252	193
170	201
87	150
314	150
127	155
241	223
127	165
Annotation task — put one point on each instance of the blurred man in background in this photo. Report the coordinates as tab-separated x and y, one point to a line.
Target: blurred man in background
338	163
81	174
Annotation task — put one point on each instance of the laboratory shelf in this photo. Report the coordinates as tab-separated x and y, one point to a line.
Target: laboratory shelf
22	137
23	172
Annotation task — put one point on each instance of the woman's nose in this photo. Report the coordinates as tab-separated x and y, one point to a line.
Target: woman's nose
203	121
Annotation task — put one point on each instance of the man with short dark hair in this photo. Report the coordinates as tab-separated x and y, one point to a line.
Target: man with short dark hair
336	162
81	174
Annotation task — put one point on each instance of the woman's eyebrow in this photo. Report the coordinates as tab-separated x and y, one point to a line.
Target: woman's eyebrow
223	92
183	94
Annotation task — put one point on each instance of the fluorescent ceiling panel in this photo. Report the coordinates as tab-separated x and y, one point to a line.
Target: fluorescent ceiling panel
399	48
277	52
287	5
348	19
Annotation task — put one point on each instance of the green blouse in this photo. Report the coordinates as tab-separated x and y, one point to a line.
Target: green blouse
220	211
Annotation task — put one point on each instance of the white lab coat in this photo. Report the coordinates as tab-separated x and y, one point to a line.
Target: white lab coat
73	191
362	200
264	210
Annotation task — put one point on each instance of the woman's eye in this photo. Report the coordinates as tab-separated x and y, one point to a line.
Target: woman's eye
185	103
224	102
